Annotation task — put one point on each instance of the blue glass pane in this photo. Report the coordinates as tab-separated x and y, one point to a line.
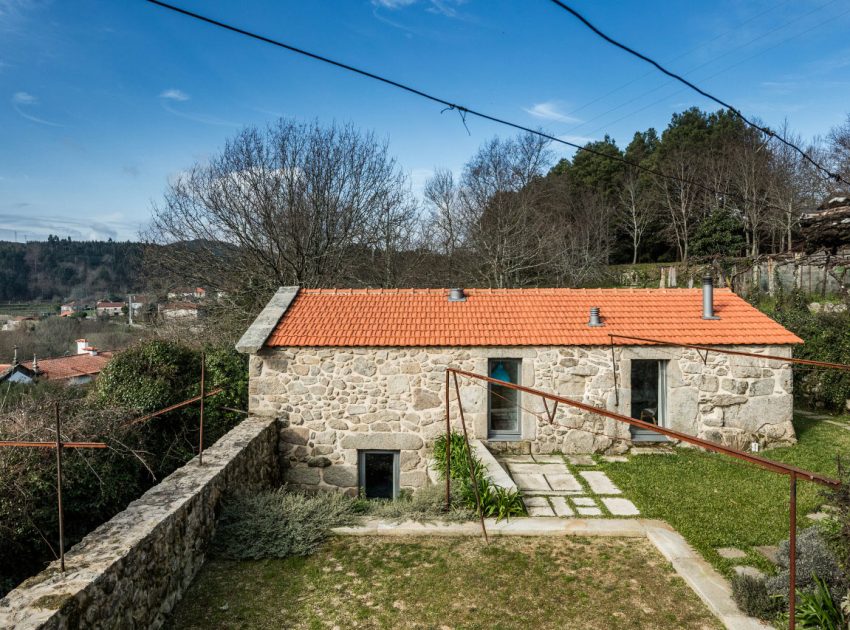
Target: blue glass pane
500	373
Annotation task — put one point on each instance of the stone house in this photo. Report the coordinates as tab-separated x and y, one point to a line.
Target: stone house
358	376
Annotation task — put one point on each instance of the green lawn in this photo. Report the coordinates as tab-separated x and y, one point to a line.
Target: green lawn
445	583
715	501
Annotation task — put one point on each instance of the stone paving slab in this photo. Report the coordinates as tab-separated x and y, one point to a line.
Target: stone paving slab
581	460
560	506
549	459
517	459
615	458
620	507
747	570
731	553
541	511
599	482
564	482
589	511
771	552
535	502
531	482
584	501
536	469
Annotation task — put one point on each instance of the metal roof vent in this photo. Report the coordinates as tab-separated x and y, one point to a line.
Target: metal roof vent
594	317
457	295
708	298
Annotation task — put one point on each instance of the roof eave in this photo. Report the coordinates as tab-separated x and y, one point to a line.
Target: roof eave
258	332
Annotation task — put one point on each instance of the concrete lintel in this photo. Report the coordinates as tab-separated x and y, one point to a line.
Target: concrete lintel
259	331
497	474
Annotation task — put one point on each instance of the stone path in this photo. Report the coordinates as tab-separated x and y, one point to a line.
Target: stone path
566	486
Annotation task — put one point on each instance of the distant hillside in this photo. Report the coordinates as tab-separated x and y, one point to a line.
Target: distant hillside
57	269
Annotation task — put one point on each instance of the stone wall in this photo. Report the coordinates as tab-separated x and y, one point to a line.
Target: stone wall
334	401
130	571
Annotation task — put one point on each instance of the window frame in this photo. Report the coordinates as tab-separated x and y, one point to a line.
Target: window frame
497	434
361	469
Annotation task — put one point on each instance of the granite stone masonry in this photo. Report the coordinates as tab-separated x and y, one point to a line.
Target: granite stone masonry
332	402
130	571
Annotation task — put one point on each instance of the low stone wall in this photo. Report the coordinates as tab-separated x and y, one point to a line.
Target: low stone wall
130	571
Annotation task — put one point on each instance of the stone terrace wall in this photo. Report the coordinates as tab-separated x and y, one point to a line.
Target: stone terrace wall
130	571
334	401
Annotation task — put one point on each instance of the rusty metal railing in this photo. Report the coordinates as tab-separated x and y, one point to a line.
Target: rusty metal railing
792	472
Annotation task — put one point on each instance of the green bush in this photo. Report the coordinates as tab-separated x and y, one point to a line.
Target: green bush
752	596
278	523
827	337
817	610
495	501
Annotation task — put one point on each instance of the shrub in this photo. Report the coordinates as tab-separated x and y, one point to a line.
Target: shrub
495	501
817	610
752	596
814	558
838	527
428	503
278	523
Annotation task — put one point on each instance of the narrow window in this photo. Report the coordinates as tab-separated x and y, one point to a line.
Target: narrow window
503	402
379	474
648	390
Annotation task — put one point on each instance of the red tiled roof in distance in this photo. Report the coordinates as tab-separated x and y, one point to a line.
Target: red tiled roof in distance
518	317
74	365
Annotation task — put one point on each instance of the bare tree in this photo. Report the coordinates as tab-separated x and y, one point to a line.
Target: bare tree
288	204
498	214
636	210
681	195
839	141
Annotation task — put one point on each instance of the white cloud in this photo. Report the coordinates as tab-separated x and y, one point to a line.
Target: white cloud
24	98
174	95
549	110
392	4
580	140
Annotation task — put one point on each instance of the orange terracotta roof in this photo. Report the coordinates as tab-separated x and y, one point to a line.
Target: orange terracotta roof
74	365
518	317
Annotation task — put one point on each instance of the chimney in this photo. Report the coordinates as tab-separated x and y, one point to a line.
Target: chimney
82	344
457	295
708	298
594	317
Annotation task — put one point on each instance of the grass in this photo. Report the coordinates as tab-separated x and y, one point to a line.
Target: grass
714	501
515	582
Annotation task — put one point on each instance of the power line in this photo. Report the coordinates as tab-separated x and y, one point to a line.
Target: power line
464	111
765	130
448	105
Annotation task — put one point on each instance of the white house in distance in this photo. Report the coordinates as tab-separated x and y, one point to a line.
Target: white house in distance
75	369
109	309
358	376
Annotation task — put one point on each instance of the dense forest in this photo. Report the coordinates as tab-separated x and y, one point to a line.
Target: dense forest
59	269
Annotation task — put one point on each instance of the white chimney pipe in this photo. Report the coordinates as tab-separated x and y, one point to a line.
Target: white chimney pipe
82	344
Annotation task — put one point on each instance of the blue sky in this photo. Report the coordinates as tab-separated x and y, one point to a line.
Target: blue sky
101	102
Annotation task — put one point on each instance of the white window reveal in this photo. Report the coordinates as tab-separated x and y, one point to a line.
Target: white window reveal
379	473
503	411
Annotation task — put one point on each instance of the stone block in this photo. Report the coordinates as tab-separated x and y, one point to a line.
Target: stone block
728	400
762	387
302	475
364	365
413	478
382	441
295	435
397	385
340	475
424	399
620	507
318	462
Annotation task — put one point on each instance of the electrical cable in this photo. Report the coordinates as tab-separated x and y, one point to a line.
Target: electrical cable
448	105
765	130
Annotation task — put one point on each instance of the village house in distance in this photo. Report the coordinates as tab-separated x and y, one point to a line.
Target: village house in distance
358	376
73	369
